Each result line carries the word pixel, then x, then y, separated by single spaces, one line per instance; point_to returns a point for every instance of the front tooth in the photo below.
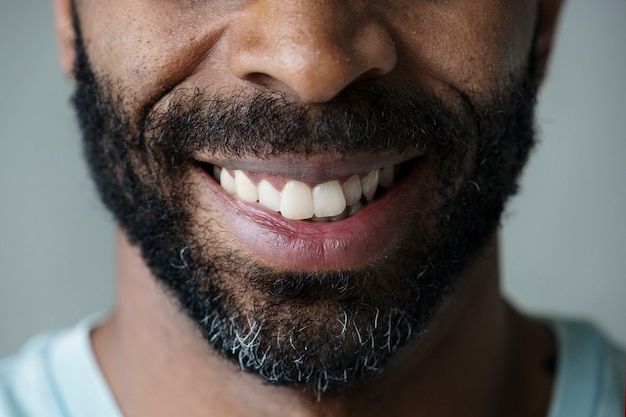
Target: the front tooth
pixel 352 190
pixel 328 199
pixel 369 184
pixel 296 201
pixel 246 190
pixel 386 176
pixel 269 197
pixel 227 182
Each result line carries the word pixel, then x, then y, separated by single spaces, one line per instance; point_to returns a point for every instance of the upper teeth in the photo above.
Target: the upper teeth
pixel 332 200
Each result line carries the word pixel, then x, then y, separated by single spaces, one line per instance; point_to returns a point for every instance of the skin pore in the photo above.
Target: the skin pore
pixel 476 349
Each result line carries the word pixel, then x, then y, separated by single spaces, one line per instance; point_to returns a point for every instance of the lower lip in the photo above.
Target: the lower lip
pixel 306 246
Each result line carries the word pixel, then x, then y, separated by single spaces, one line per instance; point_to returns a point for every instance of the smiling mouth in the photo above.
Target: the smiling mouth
pixel 328 201
pixel 318 214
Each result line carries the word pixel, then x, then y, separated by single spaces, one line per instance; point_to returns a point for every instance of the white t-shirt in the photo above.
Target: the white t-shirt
pixel 56 375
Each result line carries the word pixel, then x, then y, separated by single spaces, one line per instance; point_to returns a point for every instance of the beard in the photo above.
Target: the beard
pixel 321 330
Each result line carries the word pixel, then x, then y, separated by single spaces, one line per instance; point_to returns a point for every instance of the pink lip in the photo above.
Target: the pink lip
pixel 309 246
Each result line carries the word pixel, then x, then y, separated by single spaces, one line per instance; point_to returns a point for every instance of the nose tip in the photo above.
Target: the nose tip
pixel 312 53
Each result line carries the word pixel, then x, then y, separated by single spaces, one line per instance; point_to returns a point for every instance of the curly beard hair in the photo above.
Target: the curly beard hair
pixel 318 331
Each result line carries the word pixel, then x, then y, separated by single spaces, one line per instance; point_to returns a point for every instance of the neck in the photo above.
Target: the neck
pixel 157 363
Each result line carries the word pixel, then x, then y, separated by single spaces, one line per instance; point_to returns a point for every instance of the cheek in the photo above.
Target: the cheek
pixel 473 46
pixel 146 48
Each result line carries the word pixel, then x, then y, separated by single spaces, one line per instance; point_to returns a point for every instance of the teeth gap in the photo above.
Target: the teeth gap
pixel 380 191
pixel 398 171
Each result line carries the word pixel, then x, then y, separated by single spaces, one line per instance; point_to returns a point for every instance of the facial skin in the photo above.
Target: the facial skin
pixel 316 328
pixel 315 91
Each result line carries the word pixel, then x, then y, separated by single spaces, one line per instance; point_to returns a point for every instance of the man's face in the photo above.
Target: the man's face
pixel 421 109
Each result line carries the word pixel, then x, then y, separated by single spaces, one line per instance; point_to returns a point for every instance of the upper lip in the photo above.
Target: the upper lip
pixel 313 168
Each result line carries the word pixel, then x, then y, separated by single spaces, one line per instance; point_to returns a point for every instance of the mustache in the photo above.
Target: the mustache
pixel 263 124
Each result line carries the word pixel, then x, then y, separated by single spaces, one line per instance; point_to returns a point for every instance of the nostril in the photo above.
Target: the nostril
pixel 308 51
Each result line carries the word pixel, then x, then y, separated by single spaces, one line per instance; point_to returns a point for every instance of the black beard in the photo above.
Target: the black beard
pixel 322 331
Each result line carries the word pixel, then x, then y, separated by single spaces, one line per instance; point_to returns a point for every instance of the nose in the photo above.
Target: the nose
pixel 311 49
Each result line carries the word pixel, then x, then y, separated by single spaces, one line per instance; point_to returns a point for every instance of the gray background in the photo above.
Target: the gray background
pixel 564 237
